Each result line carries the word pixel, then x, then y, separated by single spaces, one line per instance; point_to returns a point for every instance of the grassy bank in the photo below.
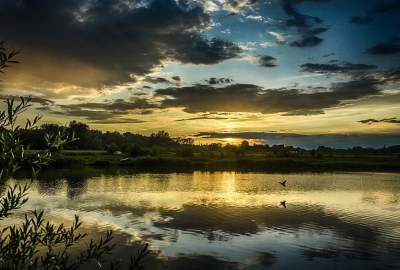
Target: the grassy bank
pixel 232 162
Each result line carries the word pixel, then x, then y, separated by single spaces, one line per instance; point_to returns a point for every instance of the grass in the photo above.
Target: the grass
pixel 224 161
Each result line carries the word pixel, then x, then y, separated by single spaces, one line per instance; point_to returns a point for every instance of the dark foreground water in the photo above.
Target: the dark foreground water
pixel 231 220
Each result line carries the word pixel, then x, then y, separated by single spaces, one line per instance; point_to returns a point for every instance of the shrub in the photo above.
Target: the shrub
pixel 19 245
pixel 185 152
pixel 112 148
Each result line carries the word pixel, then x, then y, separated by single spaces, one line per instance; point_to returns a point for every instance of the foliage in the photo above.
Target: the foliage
pixel 35 244
pixel 185 152
pixel 20 246
pixel 5 58
pixel 112 148
pixel 160 138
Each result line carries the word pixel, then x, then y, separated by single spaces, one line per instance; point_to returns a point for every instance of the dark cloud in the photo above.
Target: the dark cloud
pixel 104 42
pixel 370 121
pixel 157 80
pixel 112 121
pixel 391 7
pixel 176 78
pixel 361 20
pixel 308 141
pixel 212 116
pixel 391 76
pixel 213 81
pixel 392 120
pixel 266 61
pixel 392 46
pixel 355 89
pixel 304 112
pixel 198 50
pixel 329 54
pixel 255 99
pixel 115 111
pixel 346 68
pixel 298 2
pixel 205 118
pixel 307 42
pixel 306 25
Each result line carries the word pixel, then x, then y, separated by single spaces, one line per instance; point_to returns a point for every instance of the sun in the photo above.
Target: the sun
pixel 231 140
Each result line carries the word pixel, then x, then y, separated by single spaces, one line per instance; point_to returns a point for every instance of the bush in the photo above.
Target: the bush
pixel 185 152
pixel 19 245
pixel 112 148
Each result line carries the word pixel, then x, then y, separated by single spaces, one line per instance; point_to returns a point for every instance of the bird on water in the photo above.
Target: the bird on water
pixel 283 183
pixel 283 203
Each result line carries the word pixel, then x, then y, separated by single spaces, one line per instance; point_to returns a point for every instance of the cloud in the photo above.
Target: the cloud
pixel 34 100
pixel 268 44
pixel 307 42
pixel 237 6
pixel 392 46
pixel 370 121
pixel 255 99
pixel 198 50
pixel 345 68
pixel 209 116
pixel 158 80
pixel 213 81
pixel 115 111
pixel 255 18
pixel 222 95
pixel 306 25
pixel 298 2
pixel 93 44
pixel 361 20
pixel 391 7
pixel 266 61
pixel 280 36
pixel 311 141
pixel 176 78
pixel 391 76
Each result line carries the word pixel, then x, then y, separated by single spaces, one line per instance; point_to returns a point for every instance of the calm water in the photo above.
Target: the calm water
pixel 232 220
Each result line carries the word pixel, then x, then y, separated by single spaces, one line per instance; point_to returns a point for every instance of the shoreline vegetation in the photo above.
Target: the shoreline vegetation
pixel 220 161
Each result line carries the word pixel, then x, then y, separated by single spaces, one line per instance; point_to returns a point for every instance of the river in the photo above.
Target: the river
pixel 231 220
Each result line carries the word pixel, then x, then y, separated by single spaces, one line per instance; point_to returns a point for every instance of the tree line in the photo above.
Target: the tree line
pixel 139 145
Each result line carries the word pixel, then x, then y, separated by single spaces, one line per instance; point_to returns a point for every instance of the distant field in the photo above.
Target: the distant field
pixel 223 161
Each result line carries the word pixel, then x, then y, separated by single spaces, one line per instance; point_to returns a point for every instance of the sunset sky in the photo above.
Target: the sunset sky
pixel 295 72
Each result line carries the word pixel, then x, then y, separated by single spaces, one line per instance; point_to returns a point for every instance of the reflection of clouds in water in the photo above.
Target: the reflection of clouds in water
pixel 231 216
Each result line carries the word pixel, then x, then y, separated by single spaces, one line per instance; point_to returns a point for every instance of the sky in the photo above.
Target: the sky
pixel 294 72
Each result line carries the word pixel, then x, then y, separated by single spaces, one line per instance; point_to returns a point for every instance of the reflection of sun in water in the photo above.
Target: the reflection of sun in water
pixel 228 183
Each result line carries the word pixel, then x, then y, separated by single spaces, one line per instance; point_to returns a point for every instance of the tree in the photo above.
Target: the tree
pixel 244 144
pixel 19 245
pixel 81 131
pixel 161 138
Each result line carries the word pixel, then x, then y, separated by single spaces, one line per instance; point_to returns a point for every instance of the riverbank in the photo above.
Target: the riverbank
pixel 257 161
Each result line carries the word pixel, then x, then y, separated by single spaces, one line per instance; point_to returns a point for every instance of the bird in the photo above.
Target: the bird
pixel 283 203
pixel 283 183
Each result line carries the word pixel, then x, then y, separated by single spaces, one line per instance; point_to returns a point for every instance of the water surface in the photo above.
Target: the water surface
pixel 233 220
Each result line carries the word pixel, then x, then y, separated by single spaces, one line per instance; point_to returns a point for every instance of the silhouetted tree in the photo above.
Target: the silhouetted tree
pixel 161 138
